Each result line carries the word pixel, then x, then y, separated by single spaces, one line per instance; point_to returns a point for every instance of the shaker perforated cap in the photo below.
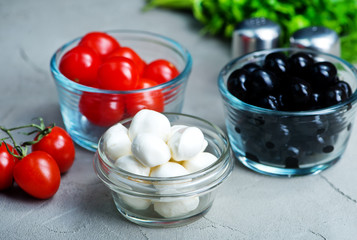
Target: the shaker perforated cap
pixel 317 38
pixel 255 34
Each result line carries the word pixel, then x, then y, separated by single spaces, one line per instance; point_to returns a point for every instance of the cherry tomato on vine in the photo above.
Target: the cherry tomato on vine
pixel 118 73
pixel 102 43
pixel 58 143
pixel 80 64
pixel 7 163
pixel 38 175
pixel 150 99
pixel 131 54
pixel 160 71
pixel 102 109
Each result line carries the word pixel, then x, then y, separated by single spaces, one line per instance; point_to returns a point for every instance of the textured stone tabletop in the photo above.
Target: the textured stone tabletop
pixel 248 205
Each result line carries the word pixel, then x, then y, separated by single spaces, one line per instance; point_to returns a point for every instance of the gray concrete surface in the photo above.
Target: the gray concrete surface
pixel 248 206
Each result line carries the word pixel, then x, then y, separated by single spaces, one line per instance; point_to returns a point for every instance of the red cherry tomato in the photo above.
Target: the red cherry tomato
pixel 58 143
pixel 7 163
pixel 160 71
pixel 102 109
pixel 118 73
pixel 80 64
pixel 151 99
pixel 102 43
pixel 38 175
pixel 131 54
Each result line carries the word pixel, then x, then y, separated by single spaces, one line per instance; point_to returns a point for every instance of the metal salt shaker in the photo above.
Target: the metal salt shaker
pixel 317 38
pixel 255 34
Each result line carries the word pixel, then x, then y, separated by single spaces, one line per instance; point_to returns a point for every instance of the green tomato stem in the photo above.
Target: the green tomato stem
pixel 40 129
pixel 22 151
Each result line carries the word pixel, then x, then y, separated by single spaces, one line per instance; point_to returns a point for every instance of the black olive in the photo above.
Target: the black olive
pixel 250 67
pixel 316 100
pixel 269 102
pixel 300 63
pixel 323 75
pixel 334 95
pixel 300 93
pixel 285 103
pixel 261 82
pixel 345 87
pixel 236 83
pixel 277 63
pixel 328 149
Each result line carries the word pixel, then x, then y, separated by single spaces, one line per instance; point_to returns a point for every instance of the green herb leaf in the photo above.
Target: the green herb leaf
pixel 219 17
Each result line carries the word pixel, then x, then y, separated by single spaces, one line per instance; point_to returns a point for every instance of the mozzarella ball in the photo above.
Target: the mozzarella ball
pixel 150 150
pixel 176 208
pixel 200 161
pixel 169 169
pixel 116 141
pixel 132 165
pixel 136 203
pixel 176 128
pixel 149 121
pixel 186 143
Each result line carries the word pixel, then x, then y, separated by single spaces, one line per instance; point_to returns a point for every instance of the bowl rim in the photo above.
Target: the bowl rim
pixel 225 156
pixel 237 103
pixel 180 49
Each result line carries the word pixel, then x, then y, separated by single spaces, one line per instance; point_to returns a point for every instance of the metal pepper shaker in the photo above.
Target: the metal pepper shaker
pixel 255 34
pixel 317 38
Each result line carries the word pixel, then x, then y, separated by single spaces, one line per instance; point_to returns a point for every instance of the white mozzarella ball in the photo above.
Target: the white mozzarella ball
pixel 136 203
pixel 169 169
pixel 186 143
pixel 149 121
pixel 116 141
pixel 200 161
pixel 150 150
pixel 176 128
pixel 176 208
pixel 132 165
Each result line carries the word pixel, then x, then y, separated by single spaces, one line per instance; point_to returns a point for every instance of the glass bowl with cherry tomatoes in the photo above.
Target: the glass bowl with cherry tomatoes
pixel 104 77
pixel 288 111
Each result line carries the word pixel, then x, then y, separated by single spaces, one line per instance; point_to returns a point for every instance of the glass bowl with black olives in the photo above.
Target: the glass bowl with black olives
pixel 288 111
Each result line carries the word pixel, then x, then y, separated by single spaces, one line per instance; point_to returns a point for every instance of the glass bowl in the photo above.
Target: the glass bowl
pixel 136 197
pixel 87 112
pixel 287 143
